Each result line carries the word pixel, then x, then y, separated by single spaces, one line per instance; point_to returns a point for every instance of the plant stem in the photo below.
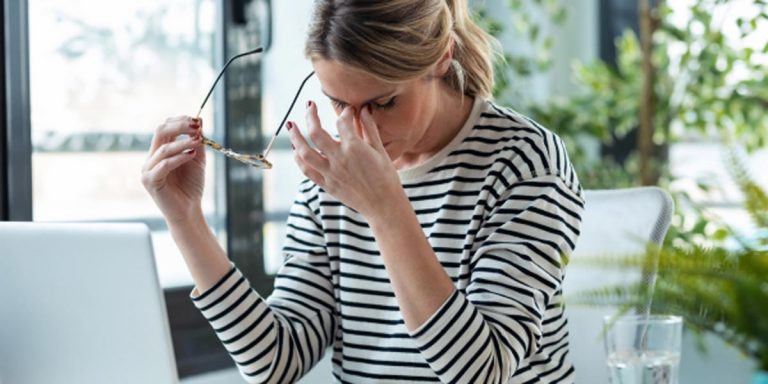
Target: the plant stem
pixel 648 25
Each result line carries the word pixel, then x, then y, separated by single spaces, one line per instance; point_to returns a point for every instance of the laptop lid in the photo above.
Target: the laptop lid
pixel 81 303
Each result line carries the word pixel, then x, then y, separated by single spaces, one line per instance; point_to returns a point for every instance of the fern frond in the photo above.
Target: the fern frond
pixel 755 198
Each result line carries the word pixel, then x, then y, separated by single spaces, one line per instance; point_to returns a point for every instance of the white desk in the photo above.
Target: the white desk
pixel 723 365
pixel 321 374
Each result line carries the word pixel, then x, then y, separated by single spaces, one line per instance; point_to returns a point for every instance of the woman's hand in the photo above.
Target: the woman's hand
pixel 174 171
pixel 356 170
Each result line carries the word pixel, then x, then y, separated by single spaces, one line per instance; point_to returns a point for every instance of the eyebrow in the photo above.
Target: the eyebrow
pixel 391 93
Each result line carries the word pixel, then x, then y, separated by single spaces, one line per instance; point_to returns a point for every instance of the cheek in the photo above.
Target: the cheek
pixel 399 126
pixel 393 124
pixel 406 121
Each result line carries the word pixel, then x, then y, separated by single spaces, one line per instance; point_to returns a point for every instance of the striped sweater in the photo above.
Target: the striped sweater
pixel 501 207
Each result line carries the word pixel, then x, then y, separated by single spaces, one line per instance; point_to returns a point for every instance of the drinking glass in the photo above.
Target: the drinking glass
pixel 643 349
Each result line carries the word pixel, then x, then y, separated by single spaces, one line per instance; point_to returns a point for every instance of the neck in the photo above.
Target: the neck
pixel 451 110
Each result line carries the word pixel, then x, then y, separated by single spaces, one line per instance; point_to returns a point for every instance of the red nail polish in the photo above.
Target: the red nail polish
pixel 309 103
pixel 289 125
pixel 293 147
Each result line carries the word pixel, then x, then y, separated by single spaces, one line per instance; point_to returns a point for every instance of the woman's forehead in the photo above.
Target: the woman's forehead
pixel 350 85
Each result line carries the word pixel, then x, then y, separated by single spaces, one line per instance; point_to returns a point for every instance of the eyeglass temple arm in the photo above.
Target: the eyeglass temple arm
pixel 210 91
pixel 280 127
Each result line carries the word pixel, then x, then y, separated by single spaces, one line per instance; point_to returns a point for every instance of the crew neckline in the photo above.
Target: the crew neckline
pixel 426 166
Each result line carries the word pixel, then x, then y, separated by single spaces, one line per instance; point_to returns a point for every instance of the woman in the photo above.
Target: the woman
pixel 428 241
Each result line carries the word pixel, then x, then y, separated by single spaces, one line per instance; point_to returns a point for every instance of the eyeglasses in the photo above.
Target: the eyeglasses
pixel 258 161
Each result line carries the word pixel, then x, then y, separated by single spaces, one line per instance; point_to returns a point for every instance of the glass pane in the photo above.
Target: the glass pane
pixel 274 233
pixel 284 68
pixel 103 75
pixel 281 183
pixel 704 163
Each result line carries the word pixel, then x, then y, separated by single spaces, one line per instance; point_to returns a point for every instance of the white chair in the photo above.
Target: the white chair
pixel 615 223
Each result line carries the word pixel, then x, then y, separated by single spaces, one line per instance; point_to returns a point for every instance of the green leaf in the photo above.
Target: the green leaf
pixel 721 234
pixel 533 32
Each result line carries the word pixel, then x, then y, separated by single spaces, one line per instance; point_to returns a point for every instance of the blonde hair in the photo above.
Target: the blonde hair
pixel 397 40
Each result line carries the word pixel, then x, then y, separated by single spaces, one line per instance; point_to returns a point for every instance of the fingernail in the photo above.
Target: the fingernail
pixel 190 151
pixel 293 147
pixel 309 103
pixel 289 125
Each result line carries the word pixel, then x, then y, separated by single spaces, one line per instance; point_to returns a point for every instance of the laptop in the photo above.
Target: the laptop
pixel 81 303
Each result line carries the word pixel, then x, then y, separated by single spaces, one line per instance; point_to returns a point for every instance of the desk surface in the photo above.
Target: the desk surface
pixel 722 365
pixel 321 374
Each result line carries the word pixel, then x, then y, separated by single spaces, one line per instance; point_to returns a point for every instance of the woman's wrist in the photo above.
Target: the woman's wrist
pixel 193 220
pixel 390 211
pixel 205 258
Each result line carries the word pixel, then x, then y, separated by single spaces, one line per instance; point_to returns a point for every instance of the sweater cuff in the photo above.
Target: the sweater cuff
pixel 432 325
pixel 221 293
pixel 453 338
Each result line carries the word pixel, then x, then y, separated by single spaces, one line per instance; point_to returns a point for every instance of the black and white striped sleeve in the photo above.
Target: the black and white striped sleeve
pixel 278 339
pixel 484 334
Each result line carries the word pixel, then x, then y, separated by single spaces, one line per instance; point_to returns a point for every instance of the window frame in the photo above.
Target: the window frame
pixel 3 137
pixel 17 146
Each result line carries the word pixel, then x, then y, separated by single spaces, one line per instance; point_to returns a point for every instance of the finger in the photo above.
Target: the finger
pixel 303 150
pixel 317 134
pixel 200 151
pixel 370 129
pixel 173 127
pixel 346 125
pixel 154 175
pixel 171 149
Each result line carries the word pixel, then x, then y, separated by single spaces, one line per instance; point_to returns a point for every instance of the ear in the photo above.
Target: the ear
pixel 444 64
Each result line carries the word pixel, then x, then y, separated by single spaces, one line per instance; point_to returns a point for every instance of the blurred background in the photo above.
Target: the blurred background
pixel 667 93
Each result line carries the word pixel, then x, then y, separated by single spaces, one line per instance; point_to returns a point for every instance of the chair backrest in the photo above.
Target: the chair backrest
pixel 615 223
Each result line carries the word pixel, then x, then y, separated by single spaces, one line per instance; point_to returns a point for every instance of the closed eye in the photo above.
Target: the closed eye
pixel 338 104
pixel 388 105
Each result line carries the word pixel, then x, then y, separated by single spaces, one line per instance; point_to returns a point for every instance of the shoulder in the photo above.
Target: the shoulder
pixel 525 149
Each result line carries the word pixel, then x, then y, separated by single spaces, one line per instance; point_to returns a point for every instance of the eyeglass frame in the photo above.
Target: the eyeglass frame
pixel 257 161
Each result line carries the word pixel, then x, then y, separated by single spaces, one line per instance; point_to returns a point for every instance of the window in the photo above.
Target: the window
pixel 695 159
pixel 89 82
pixel 283 70
pixel 102 77
pixel 699 160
